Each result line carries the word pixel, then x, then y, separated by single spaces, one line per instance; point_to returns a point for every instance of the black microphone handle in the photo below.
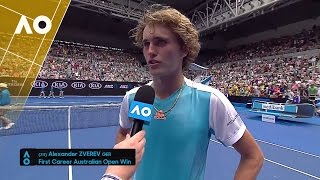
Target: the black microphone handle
pixel 137 126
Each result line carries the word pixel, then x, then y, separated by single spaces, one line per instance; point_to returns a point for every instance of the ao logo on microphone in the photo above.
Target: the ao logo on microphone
pixel 140 110
pixel 39 84
pixel 59 84
pixel 95 85
pixel 78 85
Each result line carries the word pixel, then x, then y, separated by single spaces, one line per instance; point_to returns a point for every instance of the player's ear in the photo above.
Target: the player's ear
pixel 184 51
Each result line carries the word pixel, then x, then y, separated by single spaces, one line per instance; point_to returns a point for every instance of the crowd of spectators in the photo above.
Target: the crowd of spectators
pixel 74 62
pixel 246 70
pixel 306 40
pixel 278 77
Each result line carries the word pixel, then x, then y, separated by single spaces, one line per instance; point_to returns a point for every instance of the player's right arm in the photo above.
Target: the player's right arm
pixel 125 124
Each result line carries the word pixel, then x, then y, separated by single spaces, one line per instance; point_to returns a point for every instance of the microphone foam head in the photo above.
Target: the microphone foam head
pixel 145 94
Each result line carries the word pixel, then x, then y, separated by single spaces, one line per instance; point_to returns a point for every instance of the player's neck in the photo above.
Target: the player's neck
pixel 165 86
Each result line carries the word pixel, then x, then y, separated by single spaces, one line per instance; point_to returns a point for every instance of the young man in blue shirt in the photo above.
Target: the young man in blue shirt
pixel 5 100
pixel 187 113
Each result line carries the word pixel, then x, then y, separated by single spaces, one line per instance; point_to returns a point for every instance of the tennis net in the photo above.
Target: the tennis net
pixel 35 119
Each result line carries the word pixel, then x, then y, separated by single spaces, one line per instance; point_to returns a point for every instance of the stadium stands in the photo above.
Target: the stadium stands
pixel 272 68
pixel 67 61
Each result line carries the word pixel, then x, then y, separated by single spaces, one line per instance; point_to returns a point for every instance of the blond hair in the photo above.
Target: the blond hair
pixel 185 31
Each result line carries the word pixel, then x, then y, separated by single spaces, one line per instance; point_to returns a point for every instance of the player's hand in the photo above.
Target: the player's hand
pixel 136 142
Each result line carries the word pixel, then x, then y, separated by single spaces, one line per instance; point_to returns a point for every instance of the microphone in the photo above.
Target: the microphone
pixel 141 108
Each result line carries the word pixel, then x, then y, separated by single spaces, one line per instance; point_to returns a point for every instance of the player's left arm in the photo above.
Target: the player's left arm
pixel 251 157
pixel 229 129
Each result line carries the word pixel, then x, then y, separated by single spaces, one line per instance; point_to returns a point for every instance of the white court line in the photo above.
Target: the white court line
pixel 6 50
pixel 69 141
pixel 293 169
pixel 70 174
pixel 15 12
pixel 305 153
pixel 279 164
pixel 17 56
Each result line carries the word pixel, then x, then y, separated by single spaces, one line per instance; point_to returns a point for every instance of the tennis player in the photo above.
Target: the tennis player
pixel 5 100
pixel 186 113
pixel 43 91
pixel 51 94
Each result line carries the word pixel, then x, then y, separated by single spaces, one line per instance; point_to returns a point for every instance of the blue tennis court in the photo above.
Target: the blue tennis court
pixel 291 149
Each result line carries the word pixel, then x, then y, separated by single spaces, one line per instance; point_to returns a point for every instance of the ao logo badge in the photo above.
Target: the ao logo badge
pixel 39 84
pixel 78 85
pixel 140 110
pixel 26 159
pixel 23 23
pixel 95 85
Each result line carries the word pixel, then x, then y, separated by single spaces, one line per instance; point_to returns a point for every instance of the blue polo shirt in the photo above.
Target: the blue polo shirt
pixel 5 98
pixel 176 148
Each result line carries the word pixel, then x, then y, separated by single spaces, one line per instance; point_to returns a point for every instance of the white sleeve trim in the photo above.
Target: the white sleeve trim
pixel 225 121
pixel 123 115
pixel 236 137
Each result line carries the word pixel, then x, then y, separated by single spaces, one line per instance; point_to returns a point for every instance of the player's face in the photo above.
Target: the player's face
pixel 162 51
